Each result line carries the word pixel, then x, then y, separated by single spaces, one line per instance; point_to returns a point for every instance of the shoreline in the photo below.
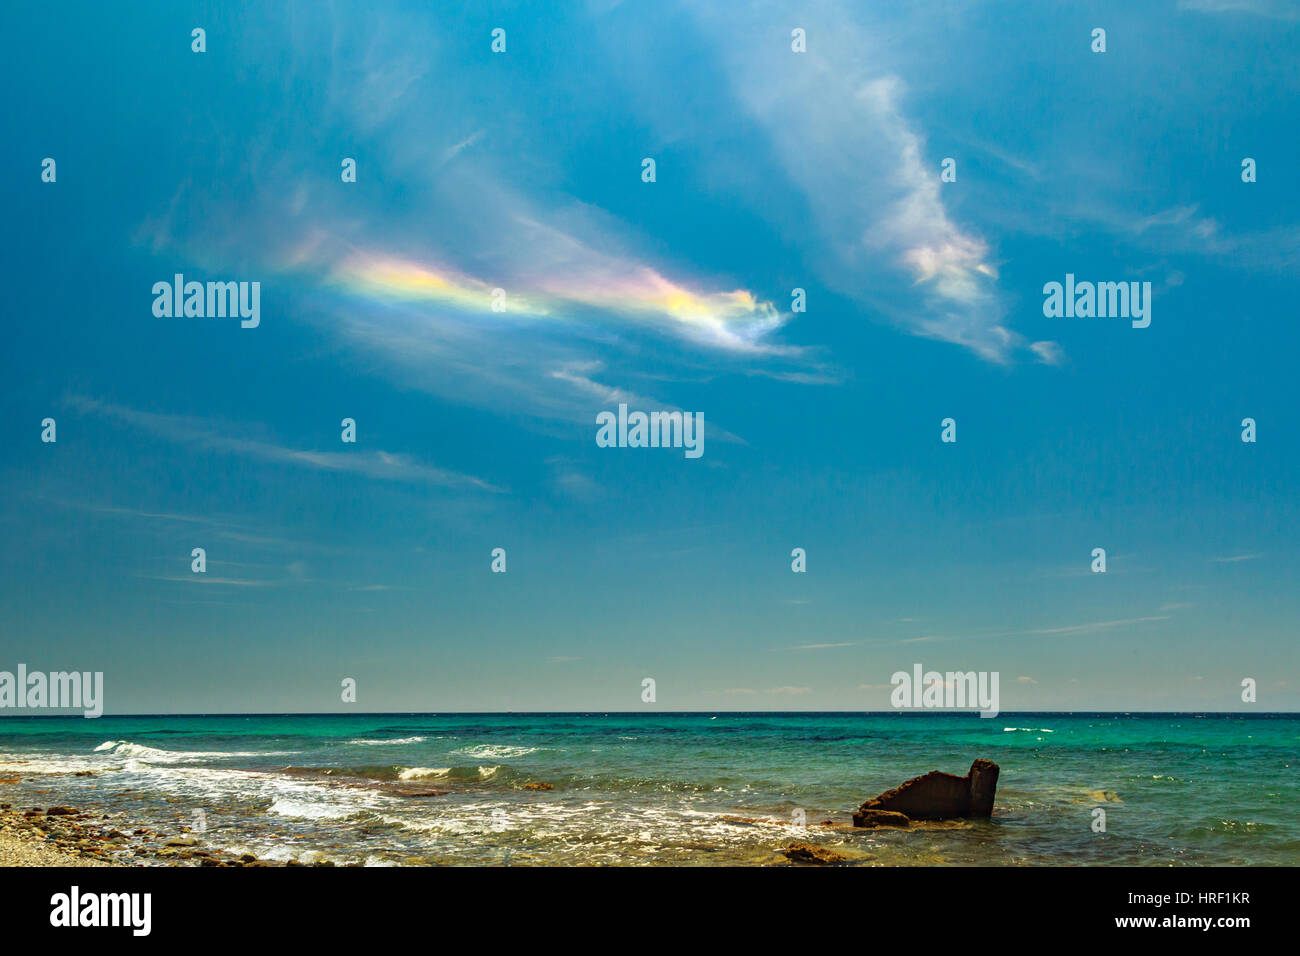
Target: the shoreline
pixel 61 836
pixel 64 836
pixel 22 844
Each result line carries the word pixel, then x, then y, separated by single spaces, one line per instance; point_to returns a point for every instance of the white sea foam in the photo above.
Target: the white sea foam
pixel 495 751
pixel 423 773
pixel 309 810
pixel 384 743
pixel 140 752
pixel 40 763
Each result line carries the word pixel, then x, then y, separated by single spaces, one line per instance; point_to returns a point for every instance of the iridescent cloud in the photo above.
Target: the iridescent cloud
pixel 732 320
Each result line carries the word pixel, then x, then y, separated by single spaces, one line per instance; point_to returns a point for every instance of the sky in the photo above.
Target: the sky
pixel 774 170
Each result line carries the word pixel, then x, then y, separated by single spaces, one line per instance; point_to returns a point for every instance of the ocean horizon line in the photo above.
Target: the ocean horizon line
pixel 910 713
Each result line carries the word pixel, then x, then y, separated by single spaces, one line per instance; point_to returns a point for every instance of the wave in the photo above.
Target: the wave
pixel 423 773
pixel 311 810
pixel 11 763
pixel 362 742
pixel 389 773
pixel 139 752
pixel 495 751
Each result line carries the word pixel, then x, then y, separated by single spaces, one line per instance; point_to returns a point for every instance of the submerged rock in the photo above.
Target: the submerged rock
pixel 811 853
pixel 934 796
pixel 880 818
pixel 539 786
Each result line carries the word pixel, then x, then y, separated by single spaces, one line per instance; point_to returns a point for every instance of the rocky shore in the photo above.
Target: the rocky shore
pixel 67 836
pixel 78 836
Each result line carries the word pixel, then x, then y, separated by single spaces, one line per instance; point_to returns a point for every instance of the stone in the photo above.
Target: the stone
pixel 810 853
pixel 881 818
pixel 936 796
pixel 983 787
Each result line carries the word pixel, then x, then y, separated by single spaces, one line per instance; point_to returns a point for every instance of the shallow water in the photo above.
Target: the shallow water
pixel 657 788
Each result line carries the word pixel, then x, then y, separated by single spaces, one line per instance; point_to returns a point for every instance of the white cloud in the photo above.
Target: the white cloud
pixel 881 231
pixel 1049 353
pixel 371 464
pixel 1098 625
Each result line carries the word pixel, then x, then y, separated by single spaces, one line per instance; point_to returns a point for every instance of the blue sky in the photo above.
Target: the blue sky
pixel 476 429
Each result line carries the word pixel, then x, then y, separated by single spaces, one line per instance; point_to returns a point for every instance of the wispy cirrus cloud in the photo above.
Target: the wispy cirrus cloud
pixel 1098 625
pixel 193 431
pixel 415 285
pixel 593 285
pixel 881 231
pixel 1272 9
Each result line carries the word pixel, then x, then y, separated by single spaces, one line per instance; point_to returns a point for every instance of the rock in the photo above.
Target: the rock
pixel 247 858
pixel 539 786
pixel 983 777
pixel 60 812
pixel 810 853
pixel 937 796
pixel 880 818
pixel 182 841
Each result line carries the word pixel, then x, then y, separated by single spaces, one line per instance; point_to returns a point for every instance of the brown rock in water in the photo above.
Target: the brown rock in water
pixel 937 796
pixel 60 812
pixel 983 787
pixel 809 853
pixel 538 786
pixel 880 818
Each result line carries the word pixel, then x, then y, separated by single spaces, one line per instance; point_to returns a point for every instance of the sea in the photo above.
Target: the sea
pixel 684 789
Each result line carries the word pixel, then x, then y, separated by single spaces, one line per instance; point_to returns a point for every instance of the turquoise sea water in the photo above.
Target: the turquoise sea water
pixel 696 788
